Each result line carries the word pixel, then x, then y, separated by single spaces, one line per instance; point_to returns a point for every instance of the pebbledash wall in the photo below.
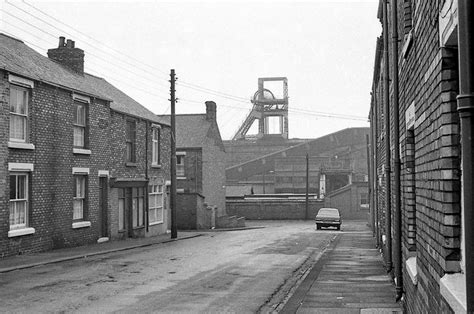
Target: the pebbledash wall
pixel 432 248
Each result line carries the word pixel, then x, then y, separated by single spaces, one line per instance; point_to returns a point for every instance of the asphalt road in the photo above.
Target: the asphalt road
pixel 235 271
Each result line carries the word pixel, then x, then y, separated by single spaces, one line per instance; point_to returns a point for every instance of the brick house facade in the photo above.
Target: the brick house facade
pixel 63 134
pixel 432 262
pixel 200 168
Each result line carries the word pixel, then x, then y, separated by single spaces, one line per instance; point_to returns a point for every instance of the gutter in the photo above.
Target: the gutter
pixel 388 195
pixel 466 114
pixel 396 158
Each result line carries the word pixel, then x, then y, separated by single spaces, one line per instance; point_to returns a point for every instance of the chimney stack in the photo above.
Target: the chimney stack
pixel 211 110
pixel 67 55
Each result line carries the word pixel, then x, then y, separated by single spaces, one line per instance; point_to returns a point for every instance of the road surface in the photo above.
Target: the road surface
pixel 235 271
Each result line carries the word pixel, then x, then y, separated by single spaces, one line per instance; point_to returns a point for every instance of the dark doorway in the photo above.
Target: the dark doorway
pixel 104 232
pixel 131 211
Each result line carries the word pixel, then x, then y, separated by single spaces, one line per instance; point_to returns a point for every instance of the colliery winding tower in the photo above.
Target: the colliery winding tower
pixel 269 110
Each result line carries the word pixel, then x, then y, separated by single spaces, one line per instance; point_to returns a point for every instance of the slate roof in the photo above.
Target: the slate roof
pixel 16 57
pixel 191 129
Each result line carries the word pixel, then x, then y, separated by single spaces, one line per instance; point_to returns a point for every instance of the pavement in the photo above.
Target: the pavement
pixel 17 262
pixel 348 278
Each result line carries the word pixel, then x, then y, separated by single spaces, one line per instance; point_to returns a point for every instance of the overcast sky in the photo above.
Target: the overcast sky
pixel 219 49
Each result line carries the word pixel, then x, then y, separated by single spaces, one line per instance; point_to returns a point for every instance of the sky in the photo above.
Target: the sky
pixel 219 49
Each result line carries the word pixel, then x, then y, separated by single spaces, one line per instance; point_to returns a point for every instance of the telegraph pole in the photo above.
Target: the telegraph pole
pixel 174 224
pixel 307 186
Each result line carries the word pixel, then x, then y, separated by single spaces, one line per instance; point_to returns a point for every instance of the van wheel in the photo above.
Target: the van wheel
pixel 318 227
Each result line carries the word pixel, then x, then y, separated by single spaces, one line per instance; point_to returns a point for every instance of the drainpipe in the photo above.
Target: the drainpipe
pixel 388 194
pixel 146 174
pixel 396 158
pixel 374 170
pixel 466 114
pixel 369 182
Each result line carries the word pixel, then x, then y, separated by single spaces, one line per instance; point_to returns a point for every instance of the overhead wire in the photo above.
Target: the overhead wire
pixel 192 86
pixel 138 75
pixel 95 73
pixel 184 83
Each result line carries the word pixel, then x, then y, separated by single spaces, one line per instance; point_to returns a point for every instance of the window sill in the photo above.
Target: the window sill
pixel 155 223
pixel 412 270
pixel 20 232
pixel 156 166
pixel 130 164
pixel 19 145
pixel 81 224
pixel 139 227
pixel 180 178
pixel 81 151
pixel 453 289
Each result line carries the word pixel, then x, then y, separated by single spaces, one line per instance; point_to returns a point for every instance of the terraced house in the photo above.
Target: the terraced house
pixel 421 173
pixel 80 161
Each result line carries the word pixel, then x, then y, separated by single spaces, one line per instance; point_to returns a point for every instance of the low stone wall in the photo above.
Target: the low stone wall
pixel 284 209
pixel 273 209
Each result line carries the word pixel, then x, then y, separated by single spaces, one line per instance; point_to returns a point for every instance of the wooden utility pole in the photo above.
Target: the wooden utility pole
pixel 307 186
pixel 174 223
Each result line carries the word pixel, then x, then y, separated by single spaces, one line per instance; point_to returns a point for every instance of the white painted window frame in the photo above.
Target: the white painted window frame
pixel 20 169
pixel 153 206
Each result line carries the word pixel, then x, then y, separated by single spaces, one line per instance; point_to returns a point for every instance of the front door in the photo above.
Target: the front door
pixel 103 206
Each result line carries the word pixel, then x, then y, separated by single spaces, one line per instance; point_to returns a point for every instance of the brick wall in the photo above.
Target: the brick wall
pixel 50 117
pixel 193 168
pixel 51 183
pixel 192 213
pixel 214 176
pixel 430 164
pixel 347 200
pixel 265 209
pixel 141 169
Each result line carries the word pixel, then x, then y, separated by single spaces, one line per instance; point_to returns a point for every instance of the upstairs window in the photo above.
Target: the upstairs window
pixel 80 124
pixel 180 165
pixel 19 100
pixel 18 201
pixel 156 145
pixel 130 140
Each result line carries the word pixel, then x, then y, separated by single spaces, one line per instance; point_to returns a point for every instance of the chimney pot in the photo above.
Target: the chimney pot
pixel 73 43
pixel 211 110
pixel 69 43
pixel 61 41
